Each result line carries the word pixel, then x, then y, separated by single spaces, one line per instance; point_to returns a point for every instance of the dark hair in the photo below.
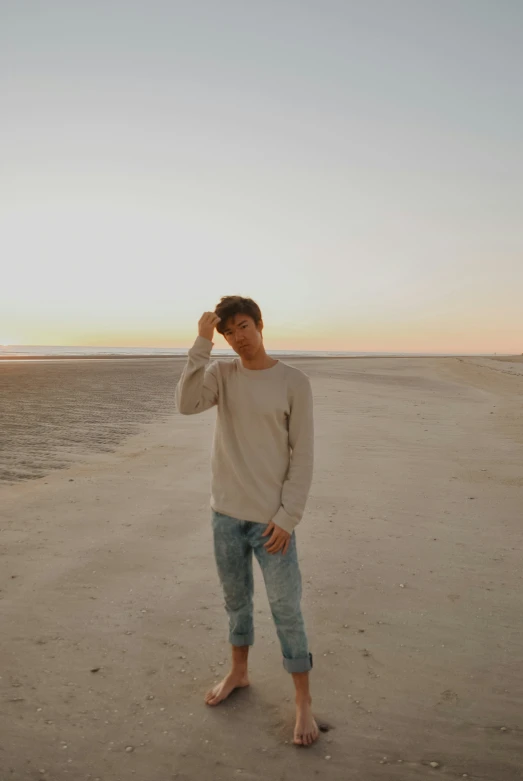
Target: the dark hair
pixel 230 306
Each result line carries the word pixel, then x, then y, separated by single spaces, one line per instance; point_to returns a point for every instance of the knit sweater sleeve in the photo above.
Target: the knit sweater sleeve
pixel 301 440
pixel 197 389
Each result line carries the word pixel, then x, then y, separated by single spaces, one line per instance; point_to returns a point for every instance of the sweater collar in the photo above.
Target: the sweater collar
pixel 257 372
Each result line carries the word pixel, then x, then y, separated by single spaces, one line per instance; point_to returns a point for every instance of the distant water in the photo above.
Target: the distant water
pixel 45 351
pixel 21 351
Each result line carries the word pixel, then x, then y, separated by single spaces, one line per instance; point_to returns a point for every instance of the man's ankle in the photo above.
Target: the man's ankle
pixel 303 699
pixel 239 670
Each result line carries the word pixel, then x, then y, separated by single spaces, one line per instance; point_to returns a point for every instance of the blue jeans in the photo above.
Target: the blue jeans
pixel 234 543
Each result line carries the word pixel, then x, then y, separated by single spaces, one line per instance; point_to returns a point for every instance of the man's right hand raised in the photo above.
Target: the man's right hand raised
pixel 206 325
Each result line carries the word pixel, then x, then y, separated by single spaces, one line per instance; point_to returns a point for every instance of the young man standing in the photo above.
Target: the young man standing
pixel 262 465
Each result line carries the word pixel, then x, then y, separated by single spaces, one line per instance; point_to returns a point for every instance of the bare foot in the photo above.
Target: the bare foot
pixel 224 688
pixel 306 730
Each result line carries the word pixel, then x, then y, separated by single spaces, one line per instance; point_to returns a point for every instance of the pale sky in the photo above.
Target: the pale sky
pixel 354 166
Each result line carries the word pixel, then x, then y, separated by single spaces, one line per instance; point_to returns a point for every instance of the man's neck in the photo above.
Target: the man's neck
pixel 260 361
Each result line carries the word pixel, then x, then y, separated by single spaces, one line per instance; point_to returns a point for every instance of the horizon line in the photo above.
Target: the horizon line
pixel 5 349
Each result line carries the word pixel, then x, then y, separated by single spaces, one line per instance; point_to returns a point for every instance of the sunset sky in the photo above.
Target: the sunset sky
pixel 355 166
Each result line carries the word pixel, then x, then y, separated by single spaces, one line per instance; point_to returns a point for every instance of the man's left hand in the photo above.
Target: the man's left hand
pixel 279 539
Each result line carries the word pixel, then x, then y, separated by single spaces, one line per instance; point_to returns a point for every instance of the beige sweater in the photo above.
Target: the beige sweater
pixel 262 457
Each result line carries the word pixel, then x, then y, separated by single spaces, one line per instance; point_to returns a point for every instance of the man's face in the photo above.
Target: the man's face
pixel 242 335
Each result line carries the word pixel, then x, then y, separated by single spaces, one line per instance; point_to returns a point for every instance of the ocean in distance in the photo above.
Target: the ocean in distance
pixel 49 351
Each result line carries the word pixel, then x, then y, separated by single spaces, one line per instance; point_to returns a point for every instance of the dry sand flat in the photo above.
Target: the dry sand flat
pixel 411 557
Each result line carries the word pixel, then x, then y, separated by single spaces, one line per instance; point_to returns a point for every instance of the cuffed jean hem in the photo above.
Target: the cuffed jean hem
pixel 242 639
pixel 298 665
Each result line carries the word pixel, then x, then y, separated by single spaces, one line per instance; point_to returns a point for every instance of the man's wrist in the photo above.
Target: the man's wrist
pixel 284 520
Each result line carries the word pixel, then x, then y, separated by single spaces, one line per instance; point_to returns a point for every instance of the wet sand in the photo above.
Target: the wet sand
pixel 112 624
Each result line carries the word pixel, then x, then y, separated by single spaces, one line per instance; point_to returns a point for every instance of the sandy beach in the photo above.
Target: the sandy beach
pixel 112 622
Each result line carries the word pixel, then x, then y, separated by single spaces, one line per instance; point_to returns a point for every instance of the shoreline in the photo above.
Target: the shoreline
pixel 293 356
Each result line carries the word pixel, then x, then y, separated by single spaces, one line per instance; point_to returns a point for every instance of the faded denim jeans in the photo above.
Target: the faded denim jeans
pixel 235 542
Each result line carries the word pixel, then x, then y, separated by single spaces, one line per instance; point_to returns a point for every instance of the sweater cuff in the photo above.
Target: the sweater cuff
pixel 284 520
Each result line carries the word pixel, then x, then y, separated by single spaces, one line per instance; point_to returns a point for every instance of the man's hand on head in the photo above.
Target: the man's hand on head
pixel 206 325
pixel 279 539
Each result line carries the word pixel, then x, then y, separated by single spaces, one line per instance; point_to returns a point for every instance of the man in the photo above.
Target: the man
pixel 262 465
